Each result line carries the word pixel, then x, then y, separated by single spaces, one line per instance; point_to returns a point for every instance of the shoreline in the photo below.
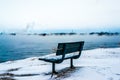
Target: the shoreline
pixel 52 53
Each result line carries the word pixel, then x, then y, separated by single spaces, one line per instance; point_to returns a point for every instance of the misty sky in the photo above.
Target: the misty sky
pixel 59 14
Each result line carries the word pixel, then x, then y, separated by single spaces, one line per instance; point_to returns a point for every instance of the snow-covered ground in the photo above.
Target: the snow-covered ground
pixel 96 64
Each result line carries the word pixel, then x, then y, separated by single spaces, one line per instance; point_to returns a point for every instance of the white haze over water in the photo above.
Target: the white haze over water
pixel 45 15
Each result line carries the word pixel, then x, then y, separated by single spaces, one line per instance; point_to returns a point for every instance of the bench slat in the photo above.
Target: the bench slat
pixel 65 48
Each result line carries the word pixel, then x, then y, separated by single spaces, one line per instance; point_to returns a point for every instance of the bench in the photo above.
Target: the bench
pixel 70 50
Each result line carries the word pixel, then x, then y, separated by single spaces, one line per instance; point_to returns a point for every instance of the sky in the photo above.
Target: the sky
pixel 48 15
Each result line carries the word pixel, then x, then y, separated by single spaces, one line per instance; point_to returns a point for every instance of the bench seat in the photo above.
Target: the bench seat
pixel 53 58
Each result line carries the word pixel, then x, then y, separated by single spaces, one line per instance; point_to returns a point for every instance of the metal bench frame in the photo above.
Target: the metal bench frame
pixel 63 49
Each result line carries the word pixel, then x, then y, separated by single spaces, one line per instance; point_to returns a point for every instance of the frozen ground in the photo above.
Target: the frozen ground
pixel 96 64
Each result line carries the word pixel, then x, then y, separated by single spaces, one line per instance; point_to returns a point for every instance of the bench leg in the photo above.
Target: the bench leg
pixel 53 69
pixel 71 63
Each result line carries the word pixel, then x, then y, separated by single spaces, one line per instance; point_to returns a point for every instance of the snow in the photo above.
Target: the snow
pixel 100 64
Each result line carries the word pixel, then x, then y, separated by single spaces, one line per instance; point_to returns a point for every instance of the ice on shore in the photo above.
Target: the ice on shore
pixel 96 64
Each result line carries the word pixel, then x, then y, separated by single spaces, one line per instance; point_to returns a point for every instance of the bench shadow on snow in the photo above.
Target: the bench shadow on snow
pixel 64 73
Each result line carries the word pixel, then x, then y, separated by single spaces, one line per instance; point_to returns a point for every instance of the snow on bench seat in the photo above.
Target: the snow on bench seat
pixel 53 57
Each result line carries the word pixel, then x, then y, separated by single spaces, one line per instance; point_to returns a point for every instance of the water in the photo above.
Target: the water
pixel 24 46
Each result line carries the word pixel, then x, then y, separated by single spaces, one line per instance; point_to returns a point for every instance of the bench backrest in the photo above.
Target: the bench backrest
pixel 65 48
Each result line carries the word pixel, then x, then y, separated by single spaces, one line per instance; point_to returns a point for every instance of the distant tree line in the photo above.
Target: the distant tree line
pixel 104 33
pixel 71 33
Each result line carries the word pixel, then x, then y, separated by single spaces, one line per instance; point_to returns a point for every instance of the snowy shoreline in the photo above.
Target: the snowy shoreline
pixel 100 64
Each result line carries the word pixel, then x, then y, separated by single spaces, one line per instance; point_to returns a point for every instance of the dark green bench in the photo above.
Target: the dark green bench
pixel 65 51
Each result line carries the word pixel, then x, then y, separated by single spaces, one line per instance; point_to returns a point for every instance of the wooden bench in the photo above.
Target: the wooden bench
pixel 71 50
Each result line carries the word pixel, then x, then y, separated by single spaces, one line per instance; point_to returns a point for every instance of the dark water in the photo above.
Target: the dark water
pixel 23 46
